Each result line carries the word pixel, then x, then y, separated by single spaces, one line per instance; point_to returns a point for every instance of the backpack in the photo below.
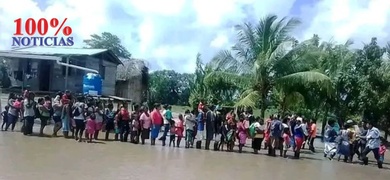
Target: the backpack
pixel 275 128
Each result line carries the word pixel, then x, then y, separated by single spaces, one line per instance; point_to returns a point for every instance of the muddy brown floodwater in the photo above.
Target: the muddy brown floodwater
pixel 40 158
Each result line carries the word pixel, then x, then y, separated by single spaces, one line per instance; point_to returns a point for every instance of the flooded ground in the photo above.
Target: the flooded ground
pixel 37 158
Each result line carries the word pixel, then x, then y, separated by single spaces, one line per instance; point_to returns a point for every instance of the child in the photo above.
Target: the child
pixel 91 127
pixel 179 129
pixel 135 126
pixel 286 141
pixel 382 150
pixel 172 132
pixel 4 114
pixel 99 117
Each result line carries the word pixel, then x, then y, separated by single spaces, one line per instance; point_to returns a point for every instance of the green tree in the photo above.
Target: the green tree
pixel 108 41
pixel 266 57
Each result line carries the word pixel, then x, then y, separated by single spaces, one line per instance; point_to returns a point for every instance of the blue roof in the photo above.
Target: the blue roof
pixel 65 51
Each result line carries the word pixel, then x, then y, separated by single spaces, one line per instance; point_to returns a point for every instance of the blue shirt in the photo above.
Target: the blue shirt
pixel 200 121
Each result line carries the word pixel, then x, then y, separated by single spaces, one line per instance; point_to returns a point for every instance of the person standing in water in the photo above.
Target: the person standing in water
pixel 66 116
pixel 29 114
pixel 123 121
pixel 157 121
pixel 45 109
pixel 312 134
pixel 276 132
pixel 110 119
pixel 200 129
pixel 299 137
pixel 146 123
pixel 13 113
pixel 99 118
pixel 189 124
pixel 179 129
pixel 57 109
pixel 258 136
pixel 242 130
pixel 210 118
pixel 373 144
pixel 79 118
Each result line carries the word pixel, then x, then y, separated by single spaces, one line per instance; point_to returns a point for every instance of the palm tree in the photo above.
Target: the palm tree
pixel 266 57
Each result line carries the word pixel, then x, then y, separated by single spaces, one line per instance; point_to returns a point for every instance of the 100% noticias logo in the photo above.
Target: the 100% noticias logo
pixel 33 28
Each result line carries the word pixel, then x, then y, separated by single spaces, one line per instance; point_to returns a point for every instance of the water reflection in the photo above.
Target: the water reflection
pixel 37 158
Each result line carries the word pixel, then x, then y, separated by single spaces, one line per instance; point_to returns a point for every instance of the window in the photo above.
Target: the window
pixel 102 71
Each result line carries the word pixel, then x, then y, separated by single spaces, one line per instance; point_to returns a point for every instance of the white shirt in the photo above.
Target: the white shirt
pixel 163 115
pixel 99 118
pixel 80 106
pixel 372 137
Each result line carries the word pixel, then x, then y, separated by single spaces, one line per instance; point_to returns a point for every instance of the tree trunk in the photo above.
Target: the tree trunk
pixel 324 122
pixel 263 108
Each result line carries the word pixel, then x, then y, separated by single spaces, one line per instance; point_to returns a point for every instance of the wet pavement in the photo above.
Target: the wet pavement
pixel 38 158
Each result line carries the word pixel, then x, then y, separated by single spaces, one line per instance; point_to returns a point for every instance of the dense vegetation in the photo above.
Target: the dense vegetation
pixel 268 68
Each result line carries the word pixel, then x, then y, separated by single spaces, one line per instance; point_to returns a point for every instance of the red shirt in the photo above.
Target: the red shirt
pixel 156 117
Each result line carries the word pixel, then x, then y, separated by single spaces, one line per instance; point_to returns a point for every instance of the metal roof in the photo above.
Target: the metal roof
pixel 65 51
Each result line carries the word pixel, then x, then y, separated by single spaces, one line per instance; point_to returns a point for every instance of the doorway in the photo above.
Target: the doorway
pixel 44 75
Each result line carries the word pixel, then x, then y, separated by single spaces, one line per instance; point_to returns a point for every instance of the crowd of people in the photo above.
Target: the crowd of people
pixel 83 118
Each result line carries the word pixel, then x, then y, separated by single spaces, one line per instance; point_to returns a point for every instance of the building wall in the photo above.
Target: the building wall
pixel 75 78
pixel 130 89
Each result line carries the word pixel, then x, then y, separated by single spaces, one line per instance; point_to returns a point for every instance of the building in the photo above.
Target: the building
pixel 132 80
pixel 55 68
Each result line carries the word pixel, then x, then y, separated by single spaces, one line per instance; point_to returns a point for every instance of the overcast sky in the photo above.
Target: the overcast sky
pixel 169 33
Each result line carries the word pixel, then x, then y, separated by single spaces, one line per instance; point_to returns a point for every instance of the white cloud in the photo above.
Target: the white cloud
pixel 220 41
pixel 342 20
pixel 170 33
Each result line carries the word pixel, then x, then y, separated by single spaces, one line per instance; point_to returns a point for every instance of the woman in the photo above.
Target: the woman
pixel 146 123
pixel 330 149
pixel 123 120
pixel 231 135
pixel 29 114
pixel 343 141
pixel 259 134
pixel 45 109
pixel 110 120
pixel 66 116
pixel 157 121
pixel 57 109
pixel 13 112
pixel 242 130
pixel 299 137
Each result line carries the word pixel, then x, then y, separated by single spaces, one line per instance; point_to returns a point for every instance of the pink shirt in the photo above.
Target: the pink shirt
pixel 146 121
pixel 286 139
pixel 382 150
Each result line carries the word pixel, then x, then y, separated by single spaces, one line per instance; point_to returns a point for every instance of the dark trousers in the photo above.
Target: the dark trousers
pixel 110 126
pixel 11 121
pixel 376 155
pixel 124 129
pixel 311 144
pixel 28 125
pixel 166 129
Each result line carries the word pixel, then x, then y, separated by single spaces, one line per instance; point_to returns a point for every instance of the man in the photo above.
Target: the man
pixel 276 132
pixel 200 128
pixel 312 134
pixel 166 123
pixel 373 144
pixel 210 118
